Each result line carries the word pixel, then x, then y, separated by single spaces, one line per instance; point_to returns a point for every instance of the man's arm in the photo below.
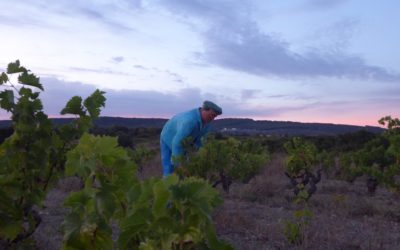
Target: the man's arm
pixel 198 141
pixel 183 131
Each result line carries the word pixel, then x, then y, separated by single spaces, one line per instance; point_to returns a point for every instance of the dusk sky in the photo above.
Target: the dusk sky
pixel 329 61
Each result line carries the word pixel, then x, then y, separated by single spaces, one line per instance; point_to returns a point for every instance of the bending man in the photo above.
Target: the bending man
pixel 193 123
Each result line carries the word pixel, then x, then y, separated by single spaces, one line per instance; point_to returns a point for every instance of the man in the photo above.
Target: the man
pixel 193 123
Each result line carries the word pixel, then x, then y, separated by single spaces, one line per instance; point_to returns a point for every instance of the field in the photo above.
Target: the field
pixel 253 215
pixel 260 214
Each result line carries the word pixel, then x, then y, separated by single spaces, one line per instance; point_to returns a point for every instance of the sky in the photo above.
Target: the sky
pixel 327 61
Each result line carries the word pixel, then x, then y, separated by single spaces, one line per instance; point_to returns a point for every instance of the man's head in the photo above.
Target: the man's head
pixel 209 111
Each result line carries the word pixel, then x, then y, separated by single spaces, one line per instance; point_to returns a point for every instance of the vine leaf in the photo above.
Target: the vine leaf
pixel 3 78
pixel 7 100
pixel 15 68
pixel 161 197
pixel 94 102
pixel 30 79
pixel 74 106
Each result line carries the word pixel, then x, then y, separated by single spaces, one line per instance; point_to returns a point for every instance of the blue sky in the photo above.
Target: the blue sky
pixel 331 61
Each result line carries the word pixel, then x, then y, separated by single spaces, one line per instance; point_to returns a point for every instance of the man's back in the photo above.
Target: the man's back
pixel 192 124
pixel 181 126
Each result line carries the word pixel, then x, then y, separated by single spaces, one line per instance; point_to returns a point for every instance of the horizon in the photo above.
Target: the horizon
pixel 220 118
pixel 309 61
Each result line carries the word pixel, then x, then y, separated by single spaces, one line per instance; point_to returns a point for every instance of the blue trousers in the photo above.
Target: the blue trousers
pixel 166 154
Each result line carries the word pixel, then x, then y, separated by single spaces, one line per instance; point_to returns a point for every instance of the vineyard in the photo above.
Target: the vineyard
pixel 75 187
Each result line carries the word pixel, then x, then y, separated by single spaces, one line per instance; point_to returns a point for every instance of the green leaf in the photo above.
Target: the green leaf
pixel 11 229
pixel 74 106
pixel 108 145
pixel 30 79
pixel 15 68
pixel 84 122
pixel 7 100
pixel 134 193
pixel 170 180
pixel 105 203
pixel 36 105
pixel 148 245
pixel 25 92
pixel 161 197
pixel 88 233
pixel 213 242
pixel 3 78
pixel 124 174
pixel 71 226
pixel 198 193
pixel 133 226
pixel 103 238
pixel 77 199
pixel 94 102
pixel 81 160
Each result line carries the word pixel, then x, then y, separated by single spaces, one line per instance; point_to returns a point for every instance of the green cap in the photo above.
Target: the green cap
pixel 213 106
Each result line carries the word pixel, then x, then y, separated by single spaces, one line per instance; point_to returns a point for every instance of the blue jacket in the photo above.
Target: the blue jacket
pixel 182 126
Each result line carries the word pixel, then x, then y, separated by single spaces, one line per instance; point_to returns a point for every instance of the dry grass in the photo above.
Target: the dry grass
pixel 151 168
pixel 253 214
pixel 345 216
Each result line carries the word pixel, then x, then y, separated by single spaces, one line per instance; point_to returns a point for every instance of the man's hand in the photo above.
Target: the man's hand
pixel 183 172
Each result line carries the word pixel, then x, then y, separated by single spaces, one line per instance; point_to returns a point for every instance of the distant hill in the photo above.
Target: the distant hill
pixel 110 121
pixel 233 126
pixel 287 128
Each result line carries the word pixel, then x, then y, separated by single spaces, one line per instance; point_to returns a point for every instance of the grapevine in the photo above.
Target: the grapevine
pixel 33 156
pixel 225 161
